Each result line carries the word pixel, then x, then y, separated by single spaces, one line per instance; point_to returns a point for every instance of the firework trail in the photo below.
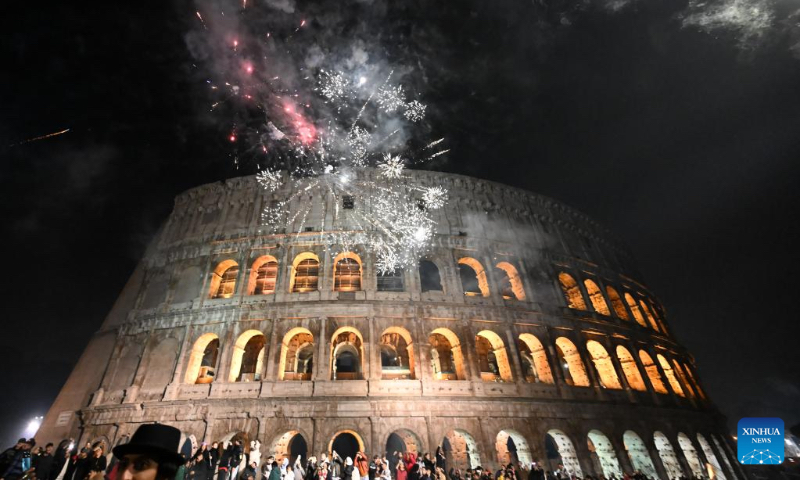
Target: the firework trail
pixel 41 137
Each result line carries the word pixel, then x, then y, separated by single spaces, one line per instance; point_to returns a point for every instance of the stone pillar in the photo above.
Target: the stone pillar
pixel 513 352
pixel 322 360
pixel 467 340
pixel 373 370
pixel 273 356
pixel 653 451
pixel 186 346
pixel 621 453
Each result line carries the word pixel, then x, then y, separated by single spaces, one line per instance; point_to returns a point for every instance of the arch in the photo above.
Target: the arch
pixel 673 381
pixel 512 448
pixel 447 359
pixel 667 454
pixel 716 467
pixel 304 276
pixel 630 369
pixel 429 278
pixel 346 435
pixel 263 275
pixel 652 372
pixel 534 359
pixel 658 317
pixel 570 360
pixel 289 445
pixel 162 360
pixel 603 365
pixel 247 359
pixel 492 357
pixel 572 292
pixel 637 315
pixel 473 277
pixel 202 364
pixel 565 453
pixel 603 453
pixel 347 272
pixel 461 449
pixel 347 354
pixel 223 280
pixel 400 363
pixel 297 355
pixel 690 454
pixel 616 303
pixel 596 296
pixel 637 452
pixel 510 282
pixel 700 391
pixel 649 315
pixel 406 438
pixel 683 378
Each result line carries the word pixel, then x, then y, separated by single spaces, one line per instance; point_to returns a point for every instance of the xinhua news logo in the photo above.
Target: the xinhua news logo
pixel 760 441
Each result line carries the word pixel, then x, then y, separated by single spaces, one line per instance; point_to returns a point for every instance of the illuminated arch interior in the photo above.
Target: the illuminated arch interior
pixel 447 360
pixel 572 291
pixel 492 357
pixel 617 304
pixel 510 282
pixel 263 275
pixel 630 369
pixel 601 446
pixel 673 381
pixel 596 296
pixel 603 365
pixel 223 280
pixel 571 363
pixel 637 315
pixel 534 359
pixel 347 272
pixel 652 372
pixel 566 452
pixel 397 354
pixel 473 277
pixel 297 355
pixel 248 357
pixel 347 354
pixel 304 276
pixel 202 363
pixel 668 457
pixel 639 455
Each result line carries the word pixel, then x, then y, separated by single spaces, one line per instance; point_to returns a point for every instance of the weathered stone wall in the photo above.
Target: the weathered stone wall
pixel 143 365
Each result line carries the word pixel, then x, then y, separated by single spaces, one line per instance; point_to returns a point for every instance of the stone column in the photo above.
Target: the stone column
pixel 322 360
pixel 511 348
pixel 272 359
pixel 467 340
pixel 373 370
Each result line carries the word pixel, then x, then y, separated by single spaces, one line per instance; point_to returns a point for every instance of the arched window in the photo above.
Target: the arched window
pixel 596 296
pixel 602 452
pixel 534 360
pixel 397 354
pixel 473 277
pixel 603 365
pixel 571 291
pixel 447 360
pixel 673 381
pixel 223 280
pixel 694 381
pixel 649 315
pixel 248 357
pixel 657 316
pixel 347 353
pixel 202 363
pixel 305 273
pixel 391 281
pixel 347 272
pixel 429 278
pixel 637 315
pixel 638 453
pixel 616 303
pixel 683 378
pixel 492 357
pixel 652 372
pixel 263 275
pixel 630 369
pixel 570 360
pixel 510 282
pixel 297 355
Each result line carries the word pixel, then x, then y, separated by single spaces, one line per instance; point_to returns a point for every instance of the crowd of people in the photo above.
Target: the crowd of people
pixel 152 455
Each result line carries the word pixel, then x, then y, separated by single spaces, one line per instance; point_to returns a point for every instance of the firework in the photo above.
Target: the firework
pixel 330 151
pixel 41 137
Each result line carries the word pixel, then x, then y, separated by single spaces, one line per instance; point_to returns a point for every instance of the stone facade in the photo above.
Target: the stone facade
pixel 536 341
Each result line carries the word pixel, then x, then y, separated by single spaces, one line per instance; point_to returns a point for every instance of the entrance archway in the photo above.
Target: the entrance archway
pixel 637 452
pixel 461 450
pixel 695 465
pixel 290 445
pixel 712 459
pixel 560 450
pixel 667 454
pixel 346 443
pixel 603 454
pixel 512 448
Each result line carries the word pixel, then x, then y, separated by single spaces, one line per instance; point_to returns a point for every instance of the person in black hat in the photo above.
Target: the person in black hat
pixel 152 454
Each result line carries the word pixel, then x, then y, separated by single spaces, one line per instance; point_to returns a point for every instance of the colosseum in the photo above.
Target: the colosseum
pixel 527 334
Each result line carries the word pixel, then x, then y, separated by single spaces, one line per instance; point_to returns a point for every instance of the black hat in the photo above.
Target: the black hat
pixel 161 441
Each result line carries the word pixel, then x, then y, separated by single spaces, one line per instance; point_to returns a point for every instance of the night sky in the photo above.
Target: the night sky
pixel 684 139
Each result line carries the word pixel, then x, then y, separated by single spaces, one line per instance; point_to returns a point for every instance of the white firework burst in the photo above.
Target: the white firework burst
pixel 358 141
pixel 391 98
pixel 415 111
pixel 434 197
pixel 270 180
pixel 333 86
pixel 392 166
